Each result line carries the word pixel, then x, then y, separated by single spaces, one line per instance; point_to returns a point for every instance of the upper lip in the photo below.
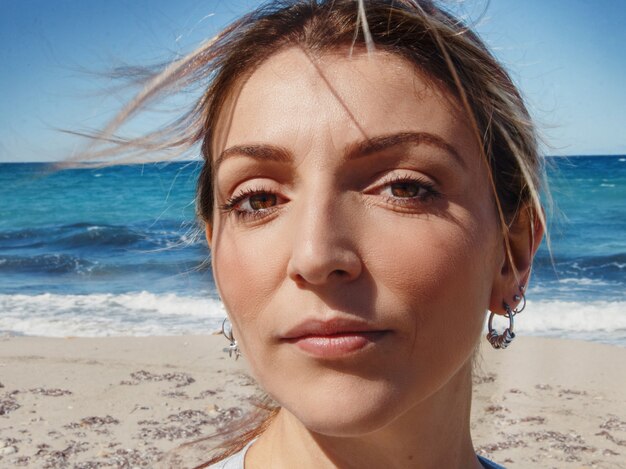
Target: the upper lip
pixel 316 327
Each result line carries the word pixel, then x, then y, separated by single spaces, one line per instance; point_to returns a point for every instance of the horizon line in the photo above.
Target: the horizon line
pixel 199 160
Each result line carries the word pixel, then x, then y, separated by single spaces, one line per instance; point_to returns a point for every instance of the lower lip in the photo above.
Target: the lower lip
pixel 336 345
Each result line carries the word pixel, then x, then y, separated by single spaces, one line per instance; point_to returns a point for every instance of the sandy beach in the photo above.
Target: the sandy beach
pixel 128 402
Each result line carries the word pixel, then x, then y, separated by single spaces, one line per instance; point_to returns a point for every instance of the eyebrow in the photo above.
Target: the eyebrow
pixel 383 142
pixel 354 151
pixel 256 151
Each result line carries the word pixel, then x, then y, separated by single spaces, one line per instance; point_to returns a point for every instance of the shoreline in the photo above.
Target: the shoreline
pixel 106 402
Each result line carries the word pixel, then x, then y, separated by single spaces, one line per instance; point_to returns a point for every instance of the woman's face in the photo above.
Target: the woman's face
pixel 355 242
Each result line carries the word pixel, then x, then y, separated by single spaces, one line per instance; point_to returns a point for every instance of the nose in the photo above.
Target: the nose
pixel 324 246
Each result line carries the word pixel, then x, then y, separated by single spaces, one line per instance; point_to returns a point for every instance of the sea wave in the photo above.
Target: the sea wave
pixel 101 315
pixel 98 236
pixel 616 261
pixel 92 236
pixel 573 316
pixel 84 269
pixel 602 321
pixel 605 272
pixel 46 263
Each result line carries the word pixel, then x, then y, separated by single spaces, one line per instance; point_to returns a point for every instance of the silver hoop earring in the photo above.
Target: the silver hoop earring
pixel 502 341
pixel 227 331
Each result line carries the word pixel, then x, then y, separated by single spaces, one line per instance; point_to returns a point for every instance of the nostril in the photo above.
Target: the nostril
pixel 339 273
pixel 299 280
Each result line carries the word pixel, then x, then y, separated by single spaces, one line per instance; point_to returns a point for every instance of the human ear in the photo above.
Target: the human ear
pixel 524 237
pixel 208 232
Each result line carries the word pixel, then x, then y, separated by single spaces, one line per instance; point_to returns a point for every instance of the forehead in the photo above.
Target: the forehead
pixel 296 98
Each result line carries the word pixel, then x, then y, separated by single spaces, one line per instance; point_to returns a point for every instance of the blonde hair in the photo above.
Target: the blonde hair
pixel 429 37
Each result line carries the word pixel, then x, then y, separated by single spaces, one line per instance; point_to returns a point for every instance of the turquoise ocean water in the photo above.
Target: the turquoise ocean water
pixel 116 251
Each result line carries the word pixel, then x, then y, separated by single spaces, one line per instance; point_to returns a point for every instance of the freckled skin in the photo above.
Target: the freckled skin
pixel 340 241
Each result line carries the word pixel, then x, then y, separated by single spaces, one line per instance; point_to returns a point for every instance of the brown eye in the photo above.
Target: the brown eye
pixel 405 189
pixel 262 201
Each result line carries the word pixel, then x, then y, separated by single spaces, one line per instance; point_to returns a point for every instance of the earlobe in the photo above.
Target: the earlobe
pixel 524 238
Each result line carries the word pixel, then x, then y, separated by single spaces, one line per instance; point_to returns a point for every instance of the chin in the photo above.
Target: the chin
pixel 357 411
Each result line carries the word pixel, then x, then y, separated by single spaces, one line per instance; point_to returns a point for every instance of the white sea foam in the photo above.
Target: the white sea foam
pixel 141 314
pixel 573 316
pixel 602 321
pixel 97 315
pixel 584 281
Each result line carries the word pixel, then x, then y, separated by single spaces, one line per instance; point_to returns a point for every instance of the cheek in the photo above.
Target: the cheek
pixel 436 259
pixel 439 274
pixel 247 270
pixel 441 271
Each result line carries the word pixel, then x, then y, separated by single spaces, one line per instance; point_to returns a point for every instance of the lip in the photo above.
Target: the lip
pixel 333 338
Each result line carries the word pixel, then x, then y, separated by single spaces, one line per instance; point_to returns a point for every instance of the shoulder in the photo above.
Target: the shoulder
pixel 488 464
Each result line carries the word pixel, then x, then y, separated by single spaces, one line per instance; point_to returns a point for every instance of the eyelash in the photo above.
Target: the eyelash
pixel 230 206
pixel 428 186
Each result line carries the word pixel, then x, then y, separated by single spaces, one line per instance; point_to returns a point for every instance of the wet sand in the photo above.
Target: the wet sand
pixel 128 402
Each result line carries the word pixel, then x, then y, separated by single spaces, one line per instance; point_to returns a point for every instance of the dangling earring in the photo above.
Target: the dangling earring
pixel 227 331
pixel 502 341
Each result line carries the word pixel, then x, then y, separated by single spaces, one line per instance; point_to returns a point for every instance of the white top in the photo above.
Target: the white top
pixel 236 461
pixel 233 462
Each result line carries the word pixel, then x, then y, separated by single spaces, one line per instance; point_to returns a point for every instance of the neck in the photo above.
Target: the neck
pixel 434 433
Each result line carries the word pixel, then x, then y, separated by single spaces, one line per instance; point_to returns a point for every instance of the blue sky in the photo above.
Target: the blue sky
pixel 567 56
